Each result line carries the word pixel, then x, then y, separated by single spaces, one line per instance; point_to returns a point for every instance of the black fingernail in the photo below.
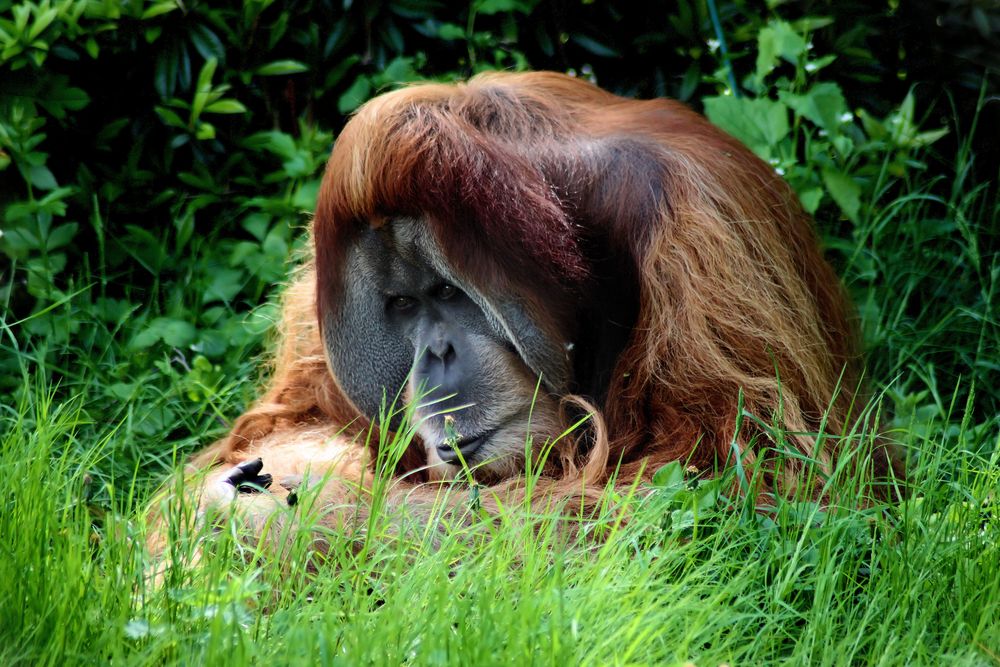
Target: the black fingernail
pixel 252 467
pixel 254 485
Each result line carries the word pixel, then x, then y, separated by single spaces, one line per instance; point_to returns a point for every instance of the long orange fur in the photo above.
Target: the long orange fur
pixel 734 294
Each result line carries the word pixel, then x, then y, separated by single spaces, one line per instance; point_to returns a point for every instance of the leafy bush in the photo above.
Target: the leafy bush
pixel 158 161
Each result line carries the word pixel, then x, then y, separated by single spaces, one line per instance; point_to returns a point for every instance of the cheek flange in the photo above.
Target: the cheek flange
pixel 370 360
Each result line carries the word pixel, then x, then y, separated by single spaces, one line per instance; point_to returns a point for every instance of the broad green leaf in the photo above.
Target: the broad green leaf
pixel 823 104
pixel 777 40
pixel 845 191
pixel 276 142
pixel 178 333
pixel 450 31
pixel 669 475
pixel 124 391
pixel 399 70
pixel 280 67
pixel 173 332
pixel 225 285
pixel 811 199
pixel 257 224
pixel 355 96
pixel 759 123
pixel 305 196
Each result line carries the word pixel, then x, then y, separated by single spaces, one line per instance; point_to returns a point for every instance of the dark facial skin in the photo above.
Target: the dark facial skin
pixel 413 326
pixel 451 342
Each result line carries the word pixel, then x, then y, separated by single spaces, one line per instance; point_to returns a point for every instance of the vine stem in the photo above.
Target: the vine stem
pixel 713 12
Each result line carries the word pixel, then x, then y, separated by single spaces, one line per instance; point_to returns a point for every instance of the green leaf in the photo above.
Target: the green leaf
pixel 43 21
pixel 450 31
pixel 257 224
pixel 811 199
pixel 400 70
pixel 61 235
pixel 173 332
pixel 41 177
pixel 777 39
pixel 205 131
pixel 225 285
pixel 207 43
pixel 169 117
pixel 594 47
pixel 814 66
pixel 336 73
pixel 274 141
pixel 823 104
pixel 304 198
pixel 498 6
pixel 929 137
pixel 206 74
pixel 178 333
pixel 874 127
pixel 281 67
pixel 124 391
pixel 158 9
pixel 759 123
pixel 203 88
pixel 669 475
pixel 225 106
pixel 355 96
pixel 810 24
pixel 21 15
pixel 845 191
pixel 59 96
pixel 157 419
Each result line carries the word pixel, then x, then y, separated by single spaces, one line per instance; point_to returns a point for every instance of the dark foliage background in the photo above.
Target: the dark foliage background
pixel 159 159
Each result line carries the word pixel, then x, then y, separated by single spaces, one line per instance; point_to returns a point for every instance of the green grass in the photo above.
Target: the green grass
pixel 916 583
pixel 90 427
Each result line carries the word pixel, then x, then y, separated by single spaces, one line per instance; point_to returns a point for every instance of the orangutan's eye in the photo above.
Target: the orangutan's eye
pixel 446 291
pixel 401 304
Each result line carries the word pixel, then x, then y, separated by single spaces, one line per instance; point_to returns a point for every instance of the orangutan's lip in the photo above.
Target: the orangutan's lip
pixel 455 453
